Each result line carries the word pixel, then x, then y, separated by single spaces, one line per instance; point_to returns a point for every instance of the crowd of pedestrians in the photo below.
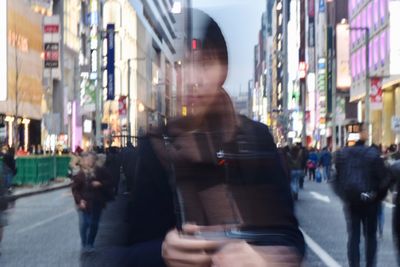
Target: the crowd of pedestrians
pixel 303 163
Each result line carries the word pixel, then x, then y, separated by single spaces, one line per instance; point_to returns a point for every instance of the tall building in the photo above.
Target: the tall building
pixel 381 18
pixel 21 94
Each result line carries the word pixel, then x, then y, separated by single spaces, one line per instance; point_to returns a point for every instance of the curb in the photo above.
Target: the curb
pixel 36 192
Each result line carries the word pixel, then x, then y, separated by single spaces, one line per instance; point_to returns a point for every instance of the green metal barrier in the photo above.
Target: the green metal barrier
pixel 40 169
pixel 19 179
pixel 62 165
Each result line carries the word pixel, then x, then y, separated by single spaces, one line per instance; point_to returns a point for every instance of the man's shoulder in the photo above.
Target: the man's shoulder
pixel 245 121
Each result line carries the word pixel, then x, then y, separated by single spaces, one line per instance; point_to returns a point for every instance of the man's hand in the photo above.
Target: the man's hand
pixel 82 204
pixel 96 184
pixel 241 254
pixel 181 251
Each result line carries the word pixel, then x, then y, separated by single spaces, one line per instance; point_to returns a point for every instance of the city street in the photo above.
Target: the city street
pixel 321 217
pixel 43 231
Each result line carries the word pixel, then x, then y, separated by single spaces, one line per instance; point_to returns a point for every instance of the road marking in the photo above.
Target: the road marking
pixel 320 197
pixel 389 205
pixel 38 224
pixel 320 252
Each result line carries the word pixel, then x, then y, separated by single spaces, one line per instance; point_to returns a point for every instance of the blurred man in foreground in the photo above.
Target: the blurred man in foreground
pixel 211 189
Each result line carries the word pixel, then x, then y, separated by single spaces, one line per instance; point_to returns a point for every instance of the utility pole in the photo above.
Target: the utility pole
pixel 99 89
pixel 367 87
pixel 129 99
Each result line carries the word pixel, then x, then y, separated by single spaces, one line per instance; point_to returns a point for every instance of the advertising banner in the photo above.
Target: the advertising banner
pixel 51 45
pixel 343 77
pixel 311 8
pixel 122 106
pixel 329 68
pixel 376 94
pixel 110 61
pixel 3 51
pixel 322 6
pixel 51 55
pixel 321 84
pixel 88 96
pixel 311 33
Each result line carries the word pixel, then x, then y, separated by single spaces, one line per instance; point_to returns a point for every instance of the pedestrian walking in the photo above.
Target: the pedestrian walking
pixel 129 160
pixel 394 171
pixel 325 162
pixel 8 166
pixel 113 165
pixel 381 219
pixel 91 188
pixel 3 202
pixel 295 159
pixel 361 183
pixel 312 164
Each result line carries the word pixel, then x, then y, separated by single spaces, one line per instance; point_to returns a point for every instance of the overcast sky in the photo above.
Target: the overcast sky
pixel 240 21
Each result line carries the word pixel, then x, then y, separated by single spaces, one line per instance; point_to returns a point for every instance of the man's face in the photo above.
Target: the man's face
pixel 88 161
pixel 206 75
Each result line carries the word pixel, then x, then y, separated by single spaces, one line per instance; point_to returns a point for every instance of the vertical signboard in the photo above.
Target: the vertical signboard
pixel 51 55
pixel 376 94
pixel 311 23
pixel 3 51
pixel 343 77
pixel 322 6
pixel 329 68
pixel 321 83
pixel 51 46
pixel 110 62
pixel 122 106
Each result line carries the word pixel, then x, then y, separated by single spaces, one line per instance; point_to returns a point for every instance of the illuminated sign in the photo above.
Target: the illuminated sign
pixel 3 51
pixel 51 55
pixel 194 44
pixel 87 126
pixel 394 39
pixel 302 70
pixel 51 46
pixel 110 61
pixel 343 77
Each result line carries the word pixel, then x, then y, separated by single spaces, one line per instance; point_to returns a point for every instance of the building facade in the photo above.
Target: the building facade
pixel 22 95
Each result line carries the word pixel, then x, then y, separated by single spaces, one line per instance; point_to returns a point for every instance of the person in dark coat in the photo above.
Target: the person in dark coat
pixel 9 166
pixel 3 203
pixel 129 161
pixel 113 165
pixel 394 171
pixel 326 162
pixel 91 188
pixel 189 168
pixel 361 182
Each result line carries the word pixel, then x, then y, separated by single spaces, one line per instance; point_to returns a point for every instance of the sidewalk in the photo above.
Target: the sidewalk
pixel 111 241
pixel 25 191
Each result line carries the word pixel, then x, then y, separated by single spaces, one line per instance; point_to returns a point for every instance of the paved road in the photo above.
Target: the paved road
pixel 43 231
pixel 321 217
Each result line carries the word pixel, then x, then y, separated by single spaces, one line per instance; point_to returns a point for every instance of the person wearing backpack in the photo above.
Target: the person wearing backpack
pixel 361 184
